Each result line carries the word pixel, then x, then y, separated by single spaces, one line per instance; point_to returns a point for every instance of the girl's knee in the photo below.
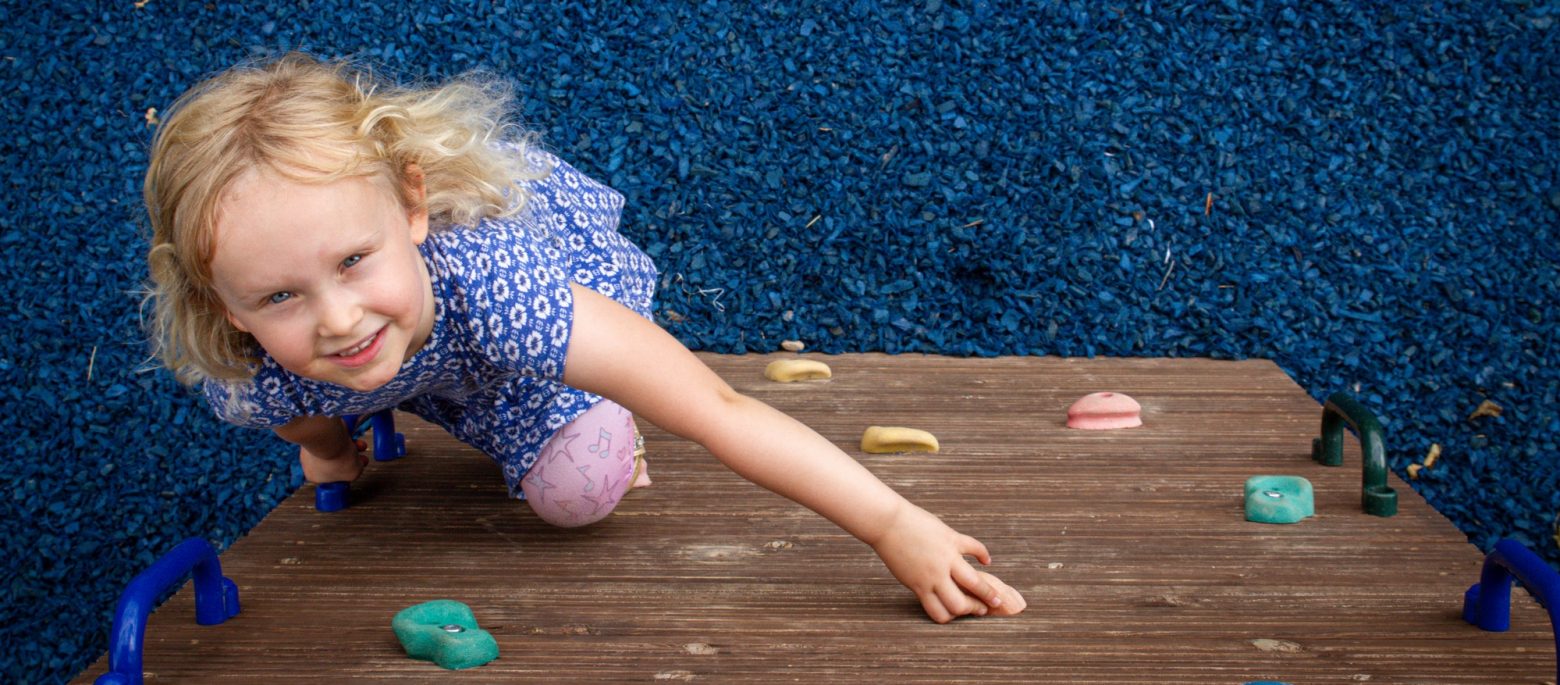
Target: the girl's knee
pixel 585 468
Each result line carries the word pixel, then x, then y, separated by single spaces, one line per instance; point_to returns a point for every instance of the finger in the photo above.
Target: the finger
pixel 934 607
pixel 956 602
pixel 977 549
pixel 975 583
pixel 360 444
pixel 1012 602
pixel 1015 602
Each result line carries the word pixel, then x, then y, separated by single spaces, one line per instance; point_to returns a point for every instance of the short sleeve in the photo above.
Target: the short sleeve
pixel 258 403
pixel 585 216
pixel 511 294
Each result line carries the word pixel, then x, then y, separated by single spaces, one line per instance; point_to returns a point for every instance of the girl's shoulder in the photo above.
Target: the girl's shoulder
pixel 561 184
pixel 266 400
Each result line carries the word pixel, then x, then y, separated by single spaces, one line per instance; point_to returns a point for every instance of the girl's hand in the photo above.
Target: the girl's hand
pixel 928 557
pixel 345 465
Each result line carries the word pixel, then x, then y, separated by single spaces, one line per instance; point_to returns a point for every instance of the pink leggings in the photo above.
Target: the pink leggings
pixel 585 468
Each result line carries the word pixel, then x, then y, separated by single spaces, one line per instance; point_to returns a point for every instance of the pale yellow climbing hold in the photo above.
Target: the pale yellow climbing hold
pixel 792 370
pixel 892 439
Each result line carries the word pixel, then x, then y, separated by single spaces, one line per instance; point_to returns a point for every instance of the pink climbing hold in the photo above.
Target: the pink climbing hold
pixel 1104 411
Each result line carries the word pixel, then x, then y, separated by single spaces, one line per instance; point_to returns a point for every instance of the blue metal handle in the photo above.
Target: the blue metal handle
pixel 388 446
pixel 1488 603
pixel 216 600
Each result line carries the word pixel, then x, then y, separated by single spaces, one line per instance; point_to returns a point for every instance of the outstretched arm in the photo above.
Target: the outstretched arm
pixel 615 353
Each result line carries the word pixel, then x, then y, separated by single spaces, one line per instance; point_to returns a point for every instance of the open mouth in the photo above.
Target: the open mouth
pixel 363 352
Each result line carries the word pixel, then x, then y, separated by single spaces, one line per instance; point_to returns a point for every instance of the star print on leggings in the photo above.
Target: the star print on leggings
pixel 543 487
pixel 605 499
pixel 565 441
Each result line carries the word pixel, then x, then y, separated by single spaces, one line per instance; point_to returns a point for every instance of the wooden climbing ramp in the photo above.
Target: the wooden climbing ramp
pixel 1130 546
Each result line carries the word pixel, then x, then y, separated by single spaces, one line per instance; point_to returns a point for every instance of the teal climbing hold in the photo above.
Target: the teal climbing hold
pixel 445 632
pixel 1279 499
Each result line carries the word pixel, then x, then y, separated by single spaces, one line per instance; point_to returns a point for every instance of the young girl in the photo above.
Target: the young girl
pixel 325 245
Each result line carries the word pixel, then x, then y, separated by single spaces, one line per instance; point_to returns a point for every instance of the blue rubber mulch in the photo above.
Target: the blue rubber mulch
pixel 1365 192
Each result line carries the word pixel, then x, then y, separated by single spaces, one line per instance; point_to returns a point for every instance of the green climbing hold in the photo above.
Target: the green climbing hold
pixel 1279 499
pixel 445 632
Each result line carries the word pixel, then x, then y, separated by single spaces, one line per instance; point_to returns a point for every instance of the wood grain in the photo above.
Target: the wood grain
pixel 1129 545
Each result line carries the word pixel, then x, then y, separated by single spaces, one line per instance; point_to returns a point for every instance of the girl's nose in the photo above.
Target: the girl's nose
pixel 339 313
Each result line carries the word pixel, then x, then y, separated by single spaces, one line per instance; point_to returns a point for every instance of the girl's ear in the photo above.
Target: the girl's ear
pixel 234 320
pixel 418 217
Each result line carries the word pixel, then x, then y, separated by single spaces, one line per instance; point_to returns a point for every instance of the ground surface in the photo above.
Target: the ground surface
pixel 1129 545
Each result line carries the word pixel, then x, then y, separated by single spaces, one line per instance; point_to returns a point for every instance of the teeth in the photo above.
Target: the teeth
pixel 359 348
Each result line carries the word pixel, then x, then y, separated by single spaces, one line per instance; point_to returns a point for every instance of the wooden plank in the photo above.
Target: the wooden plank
pixel 1130 547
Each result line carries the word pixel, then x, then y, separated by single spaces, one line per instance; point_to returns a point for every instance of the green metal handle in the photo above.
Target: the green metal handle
pixel 1378 498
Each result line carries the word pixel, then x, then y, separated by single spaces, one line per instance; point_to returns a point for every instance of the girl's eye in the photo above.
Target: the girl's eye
pixel 352 261
pixel 278 298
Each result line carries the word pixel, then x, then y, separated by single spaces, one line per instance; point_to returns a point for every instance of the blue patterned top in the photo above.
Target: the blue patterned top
pixel 491 371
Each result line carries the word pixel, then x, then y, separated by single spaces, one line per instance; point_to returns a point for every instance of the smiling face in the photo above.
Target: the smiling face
pixel 326 277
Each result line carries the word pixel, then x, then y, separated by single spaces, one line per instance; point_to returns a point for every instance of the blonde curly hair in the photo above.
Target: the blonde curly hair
pixel 310 121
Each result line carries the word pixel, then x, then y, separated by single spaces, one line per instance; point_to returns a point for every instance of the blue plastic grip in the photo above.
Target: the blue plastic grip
pixel 1488 603
pixel 329 497
pixel 216 600
pixel 388 446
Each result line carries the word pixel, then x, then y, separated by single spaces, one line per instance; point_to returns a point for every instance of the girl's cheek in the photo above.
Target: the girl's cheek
pixel 288 327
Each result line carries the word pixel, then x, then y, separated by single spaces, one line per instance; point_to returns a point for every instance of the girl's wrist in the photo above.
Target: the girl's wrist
pixel 878 526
